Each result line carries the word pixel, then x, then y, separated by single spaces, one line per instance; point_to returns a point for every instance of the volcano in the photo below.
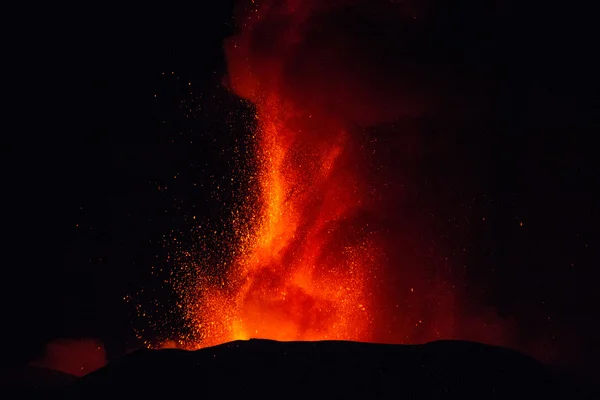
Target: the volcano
pixel 327 369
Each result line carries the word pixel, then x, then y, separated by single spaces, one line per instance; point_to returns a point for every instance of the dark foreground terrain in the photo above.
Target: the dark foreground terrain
pixel 314 370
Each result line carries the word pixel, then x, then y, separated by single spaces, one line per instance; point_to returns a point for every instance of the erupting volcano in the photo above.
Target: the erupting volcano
pixel 309 198
pixel 301 263
pixel 312 240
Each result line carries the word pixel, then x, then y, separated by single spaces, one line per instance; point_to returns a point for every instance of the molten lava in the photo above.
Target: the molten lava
pixel 300 273
pixel 359 207
pixel 300 264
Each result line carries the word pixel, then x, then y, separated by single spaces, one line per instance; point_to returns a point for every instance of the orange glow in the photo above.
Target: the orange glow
pixel 299 275
pixel 76 357
pixel 301 263
pixel 326 245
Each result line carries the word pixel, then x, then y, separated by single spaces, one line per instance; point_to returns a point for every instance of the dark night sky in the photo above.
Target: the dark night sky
pixel 87 149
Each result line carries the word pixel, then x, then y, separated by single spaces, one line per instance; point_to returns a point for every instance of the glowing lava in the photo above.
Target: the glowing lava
pixel 349 226
pixel 301 271
pixel 301 262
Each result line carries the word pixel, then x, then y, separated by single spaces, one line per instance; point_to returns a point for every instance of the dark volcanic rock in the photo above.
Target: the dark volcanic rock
pixel 33 382
pixel 328 369
pixel 36 376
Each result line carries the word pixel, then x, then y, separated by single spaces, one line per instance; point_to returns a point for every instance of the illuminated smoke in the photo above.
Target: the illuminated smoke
pixel 73 356
pixel 325 244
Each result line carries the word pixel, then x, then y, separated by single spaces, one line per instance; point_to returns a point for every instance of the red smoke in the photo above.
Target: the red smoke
pixel 72 356
pixel 361 61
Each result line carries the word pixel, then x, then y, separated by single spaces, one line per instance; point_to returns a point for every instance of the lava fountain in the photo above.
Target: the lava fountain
pixel 361 205
pixel 301 268
pixel 301 264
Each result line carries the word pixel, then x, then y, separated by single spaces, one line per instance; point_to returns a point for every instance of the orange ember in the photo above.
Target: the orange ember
pixel 300 266
pixel 300 272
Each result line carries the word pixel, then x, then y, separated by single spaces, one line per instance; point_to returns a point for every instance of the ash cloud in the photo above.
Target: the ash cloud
pixel 475 111
pixel 372 62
